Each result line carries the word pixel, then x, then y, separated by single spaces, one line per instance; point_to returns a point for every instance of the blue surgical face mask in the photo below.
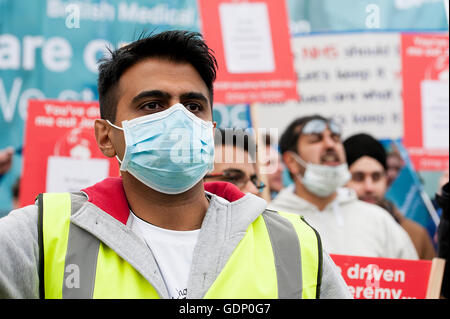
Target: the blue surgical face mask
pixel 169 151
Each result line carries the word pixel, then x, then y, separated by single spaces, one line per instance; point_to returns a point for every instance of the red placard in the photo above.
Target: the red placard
pixel 384 278
pixel 426 103
pixel 251 42
pixel 61 152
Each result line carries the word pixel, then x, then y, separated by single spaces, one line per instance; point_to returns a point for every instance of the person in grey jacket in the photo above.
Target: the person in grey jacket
pixel 158 231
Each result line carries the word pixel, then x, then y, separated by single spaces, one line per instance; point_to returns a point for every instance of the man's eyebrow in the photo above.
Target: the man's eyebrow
pixel 152 93
pixel 194 96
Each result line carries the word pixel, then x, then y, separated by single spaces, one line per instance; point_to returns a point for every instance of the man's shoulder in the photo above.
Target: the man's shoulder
pixel 24 214
pixel 19 227
pixel 414 227
pixel 359 206
pixel 30 212
pixel 374 215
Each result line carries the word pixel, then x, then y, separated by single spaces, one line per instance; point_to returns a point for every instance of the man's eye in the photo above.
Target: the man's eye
pixel 193 107
pixel 358 177
pixel 376 176
pixel 315 137
pixel 336 138
pixel 151 105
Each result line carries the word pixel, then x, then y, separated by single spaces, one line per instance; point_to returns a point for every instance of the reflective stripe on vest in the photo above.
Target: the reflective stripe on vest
pixel 280 256
pixel 77 265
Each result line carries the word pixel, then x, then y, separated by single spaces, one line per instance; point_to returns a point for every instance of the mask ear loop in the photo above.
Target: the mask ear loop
pixel 298 159
pixel 115 126
pixel 119 128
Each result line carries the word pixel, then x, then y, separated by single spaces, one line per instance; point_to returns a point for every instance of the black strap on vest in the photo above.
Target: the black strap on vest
pixel 320 270
pixel 40 199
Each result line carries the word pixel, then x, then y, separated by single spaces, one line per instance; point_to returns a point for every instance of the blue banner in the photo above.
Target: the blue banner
pixel 377 15
pixel 408 194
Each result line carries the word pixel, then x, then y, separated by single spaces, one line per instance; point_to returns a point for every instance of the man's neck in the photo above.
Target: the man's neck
pixel 183 211
pixel 319 202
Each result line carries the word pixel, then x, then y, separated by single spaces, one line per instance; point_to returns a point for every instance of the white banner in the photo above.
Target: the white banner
pixel 353 77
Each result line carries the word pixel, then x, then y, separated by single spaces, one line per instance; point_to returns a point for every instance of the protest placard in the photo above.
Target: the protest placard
pixel 388 278
pixel 251 42
pixel 425 68
pixel 61 152
pixel 354 78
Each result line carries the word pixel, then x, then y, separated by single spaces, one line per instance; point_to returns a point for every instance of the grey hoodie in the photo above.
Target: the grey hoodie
pixel 349 226
pixel 224 225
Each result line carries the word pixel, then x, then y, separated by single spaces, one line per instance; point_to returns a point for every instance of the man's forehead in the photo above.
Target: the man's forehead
pixel 367 165
pixel 325 132
pixel 154 70
pixel 366 171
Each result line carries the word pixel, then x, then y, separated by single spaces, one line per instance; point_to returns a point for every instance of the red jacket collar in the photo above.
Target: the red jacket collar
pixel 109 196
pixel 225 190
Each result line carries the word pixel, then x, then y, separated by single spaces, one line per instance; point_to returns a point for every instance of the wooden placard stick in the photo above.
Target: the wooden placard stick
pixel 435 278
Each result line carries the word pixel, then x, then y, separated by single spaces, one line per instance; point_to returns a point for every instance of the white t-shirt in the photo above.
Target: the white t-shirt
pixel 173 251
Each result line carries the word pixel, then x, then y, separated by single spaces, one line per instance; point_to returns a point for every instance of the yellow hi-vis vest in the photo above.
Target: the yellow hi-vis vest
pixel 280 256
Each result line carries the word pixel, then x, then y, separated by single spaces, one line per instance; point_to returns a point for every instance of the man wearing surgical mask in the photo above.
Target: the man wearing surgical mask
pixel 313 153
pixel 159 231
pixel 234 160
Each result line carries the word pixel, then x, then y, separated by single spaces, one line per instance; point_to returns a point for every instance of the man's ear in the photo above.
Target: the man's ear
pixel 291 164
pixel 103 136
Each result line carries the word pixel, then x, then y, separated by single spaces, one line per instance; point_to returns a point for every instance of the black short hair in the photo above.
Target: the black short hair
pixel 289 138
pixel 177 46
pixel 236 137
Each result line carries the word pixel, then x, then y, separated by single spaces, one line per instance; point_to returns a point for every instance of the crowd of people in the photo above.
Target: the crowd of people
pixel 193 223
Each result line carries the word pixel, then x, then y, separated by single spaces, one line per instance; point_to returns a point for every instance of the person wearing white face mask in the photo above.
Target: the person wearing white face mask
pixel 313 153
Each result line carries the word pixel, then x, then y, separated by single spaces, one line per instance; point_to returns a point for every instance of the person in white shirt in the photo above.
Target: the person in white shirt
pixel 313 153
